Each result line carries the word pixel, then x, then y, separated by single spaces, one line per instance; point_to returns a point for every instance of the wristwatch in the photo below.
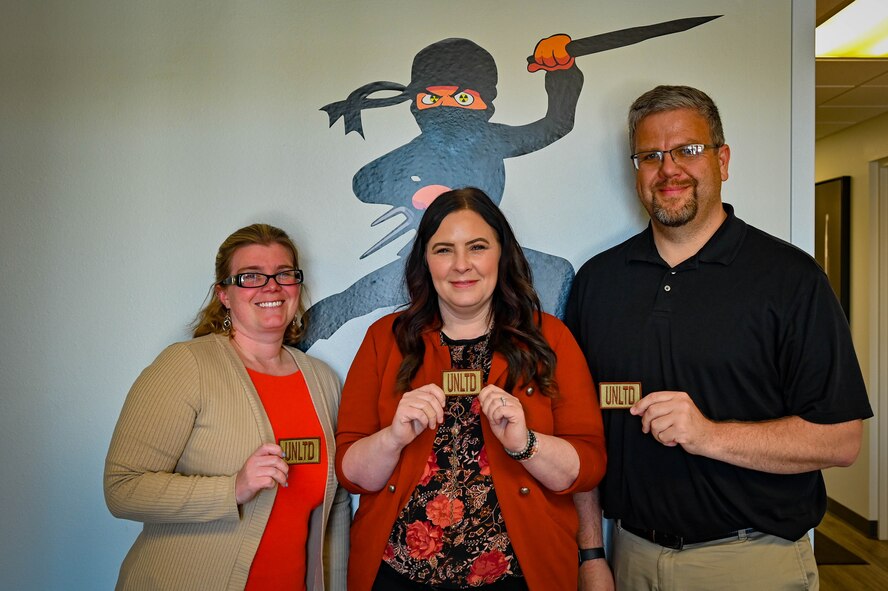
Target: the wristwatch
pixel 591 554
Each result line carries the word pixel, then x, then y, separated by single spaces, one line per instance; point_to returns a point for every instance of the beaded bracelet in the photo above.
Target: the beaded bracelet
pixel 529 450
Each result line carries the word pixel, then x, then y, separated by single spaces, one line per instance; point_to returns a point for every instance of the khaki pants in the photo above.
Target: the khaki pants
pixel 760 562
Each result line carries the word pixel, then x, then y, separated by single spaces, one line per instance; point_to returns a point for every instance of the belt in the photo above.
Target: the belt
pixel 677 542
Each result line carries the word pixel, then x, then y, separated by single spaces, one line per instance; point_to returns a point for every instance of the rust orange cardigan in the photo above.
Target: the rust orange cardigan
pixel 542 524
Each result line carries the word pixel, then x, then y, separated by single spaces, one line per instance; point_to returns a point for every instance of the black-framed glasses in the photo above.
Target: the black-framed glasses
pixel 254 279
pixel 680 155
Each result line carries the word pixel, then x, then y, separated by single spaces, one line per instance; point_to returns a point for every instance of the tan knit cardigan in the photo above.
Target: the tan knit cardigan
pixel 188 424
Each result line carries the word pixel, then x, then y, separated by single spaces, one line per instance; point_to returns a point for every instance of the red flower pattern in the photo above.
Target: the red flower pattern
pixel 424 540
pixel 437 540
pixel 483 464
pixel 443 512
pixel 429 470
pixel 487 568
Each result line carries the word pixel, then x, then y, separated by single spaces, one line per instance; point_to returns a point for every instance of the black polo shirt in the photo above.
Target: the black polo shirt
pixel 751 329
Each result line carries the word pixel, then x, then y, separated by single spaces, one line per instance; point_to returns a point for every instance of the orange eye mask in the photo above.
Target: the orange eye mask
pixel 449 96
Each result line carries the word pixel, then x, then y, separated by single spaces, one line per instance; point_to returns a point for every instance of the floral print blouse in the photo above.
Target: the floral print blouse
pixel 451 533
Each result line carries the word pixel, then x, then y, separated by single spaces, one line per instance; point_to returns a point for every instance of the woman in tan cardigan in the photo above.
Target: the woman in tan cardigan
pixel 224 448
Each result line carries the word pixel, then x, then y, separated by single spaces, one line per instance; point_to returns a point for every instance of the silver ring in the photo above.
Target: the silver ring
pixel 503 400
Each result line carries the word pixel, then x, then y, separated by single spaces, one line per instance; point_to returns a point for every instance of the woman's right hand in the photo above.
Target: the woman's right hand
pixel 263 469
pixel 370 461
pixel 418 409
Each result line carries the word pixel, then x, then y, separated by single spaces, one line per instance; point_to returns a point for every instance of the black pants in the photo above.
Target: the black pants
pixel 387 579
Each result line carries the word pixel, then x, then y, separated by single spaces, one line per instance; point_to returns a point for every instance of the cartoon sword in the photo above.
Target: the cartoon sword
pixel 624 37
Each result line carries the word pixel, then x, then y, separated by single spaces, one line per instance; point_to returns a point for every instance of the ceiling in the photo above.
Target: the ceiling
pixel 848 91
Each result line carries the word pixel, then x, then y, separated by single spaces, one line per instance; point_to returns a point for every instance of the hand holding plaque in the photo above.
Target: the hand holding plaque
pixel 418 409
pixel 506 417
pixel 264 469
pixel 672 418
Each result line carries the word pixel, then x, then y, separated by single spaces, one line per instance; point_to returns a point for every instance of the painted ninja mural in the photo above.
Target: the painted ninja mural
pixel 451 92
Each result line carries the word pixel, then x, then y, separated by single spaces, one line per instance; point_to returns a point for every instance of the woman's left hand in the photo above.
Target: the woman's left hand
pixel 506 416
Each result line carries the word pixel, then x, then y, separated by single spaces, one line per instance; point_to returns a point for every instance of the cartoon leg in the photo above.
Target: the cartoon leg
pixel 381 288
pixel 552 277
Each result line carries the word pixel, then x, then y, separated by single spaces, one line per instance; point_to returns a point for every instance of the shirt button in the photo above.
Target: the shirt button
pixel 391 488
pixel 530 391
pixel 524 491
pixel 667 288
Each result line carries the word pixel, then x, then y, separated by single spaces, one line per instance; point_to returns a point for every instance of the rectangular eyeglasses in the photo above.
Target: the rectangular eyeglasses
pixel 680 155
pixel 254 279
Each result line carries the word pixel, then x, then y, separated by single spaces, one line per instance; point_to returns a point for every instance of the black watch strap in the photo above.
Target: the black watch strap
pixel 591 554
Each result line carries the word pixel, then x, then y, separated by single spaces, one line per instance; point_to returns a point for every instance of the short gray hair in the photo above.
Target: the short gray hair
pixel 669 98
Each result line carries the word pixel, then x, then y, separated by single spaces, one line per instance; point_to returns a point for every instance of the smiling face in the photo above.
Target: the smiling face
pixel 262 313
pixel 463 259
pixel 674 195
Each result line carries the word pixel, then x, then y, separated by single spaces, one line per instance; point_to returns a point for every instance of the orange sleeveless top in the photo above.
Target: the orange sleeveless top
pixel 280 559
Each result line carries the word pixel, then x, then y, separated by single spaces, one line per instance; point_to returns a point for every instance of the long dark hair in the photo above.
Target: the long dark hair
pixel 516 311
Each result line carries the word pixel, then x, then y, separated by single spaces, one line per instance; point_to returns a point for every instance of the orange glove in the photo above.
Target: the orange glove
pixel 550 54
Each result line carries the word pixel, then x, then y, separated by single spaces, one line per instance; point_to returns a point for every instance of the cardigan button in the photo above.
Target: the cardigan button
pixel 391 488
pixel 530 391
pixel 524 491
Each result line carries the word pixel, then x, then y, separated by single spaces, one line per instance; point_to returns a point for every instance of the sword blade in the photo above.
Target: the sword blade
pixel 631 36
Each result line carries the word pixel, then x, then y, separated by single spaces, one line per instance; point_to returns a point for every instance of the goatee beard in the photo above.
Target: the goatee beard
pixel 674 219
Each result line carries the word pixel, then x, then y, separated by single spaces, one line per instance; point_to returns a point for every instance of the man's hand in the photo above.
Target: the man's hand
pixel 673 419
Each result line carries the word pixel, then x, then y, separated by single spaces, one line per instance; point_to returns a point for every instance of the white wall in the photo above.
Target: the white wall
pixel 135 136
pixel 850 153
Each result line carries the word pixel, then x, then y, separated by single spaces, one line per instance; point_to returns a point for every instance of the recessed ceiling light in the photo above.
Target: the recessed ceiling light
pixel 858 30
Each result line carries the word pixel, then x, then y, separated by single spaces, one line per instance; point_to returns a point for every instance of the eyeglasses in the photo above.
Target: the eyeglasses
pixel 680 155
pixel 254 279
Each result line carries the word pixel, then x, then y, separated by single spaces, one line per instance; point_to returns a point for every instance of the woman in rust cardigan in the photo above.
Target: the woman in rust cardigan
pixel 469 488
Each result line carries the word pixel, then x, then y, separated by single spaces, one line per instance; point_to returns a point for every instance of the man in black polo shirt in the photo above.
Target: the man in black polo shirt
pixel 737 361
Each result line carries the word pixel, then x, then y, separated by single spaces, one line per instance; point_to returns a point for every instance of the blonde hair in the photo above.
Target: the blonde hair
pixel 209 320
